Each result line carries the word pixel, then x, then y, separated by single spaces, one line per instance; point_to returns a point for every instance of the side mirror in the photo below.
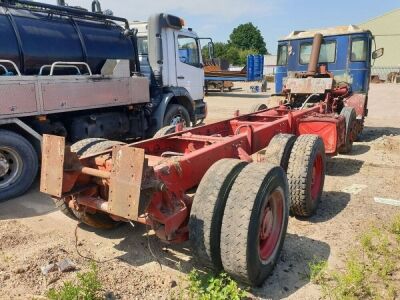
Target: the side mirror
pixel 378 53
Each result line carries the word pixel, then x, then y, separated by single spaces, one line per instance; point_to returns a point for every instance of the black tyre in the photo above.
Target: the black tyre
pixel 351 135
pixel 165 131
pixel 255 223
pixel 176 114
pixel 279 149
pixel 19 164
pixel 306 174
pixel 92 146
pixel 208 210
pixel 98 220
pixel 258 107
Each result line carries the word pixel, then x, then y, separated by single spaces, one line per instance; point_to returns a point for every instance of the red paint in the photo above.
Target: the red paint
pixel 167 181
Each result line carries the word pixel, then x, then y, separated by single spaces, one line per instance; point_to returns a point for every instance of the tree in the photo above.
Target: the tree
pixel 247 37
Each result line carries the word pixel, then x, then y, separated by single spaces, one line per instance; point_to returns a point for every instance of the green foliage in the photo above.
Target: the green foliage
pixel 370 271
pixel 87 287
pixel 318 270
pixel 247 36
pixel 245 39
pixel 208 287
pixel 352 283
pixel 395 228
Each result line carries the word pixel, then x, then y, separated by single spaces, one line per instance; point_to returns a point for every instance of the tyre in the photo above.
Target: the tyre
pixel 19 164
pixel 306 174
pixel 255 223
pixel 165 131
pixel 350 136
pixel 176 114
pixel 279 149
pixel 208 210
pixel 97 220
pixel 92 146
pixel 258 107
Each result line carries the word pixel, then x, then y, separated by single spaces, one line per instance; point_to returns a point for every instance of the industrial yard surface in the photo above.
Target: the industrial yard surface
pixel 133 265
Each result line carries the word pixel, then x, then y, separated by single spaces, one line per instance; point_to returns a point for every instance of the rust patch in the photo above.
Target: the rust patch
pixel 126 181
pixel 51 179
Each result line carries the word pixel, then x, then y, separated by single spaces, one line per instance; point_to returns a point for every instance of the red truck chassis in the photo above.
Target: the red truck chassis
pixel 153 182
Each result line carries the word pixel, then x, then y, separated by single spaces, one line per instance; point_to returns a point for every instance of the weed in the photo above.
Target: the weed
pixel 352 283
pixel 395 228
pixel 87 287
pixel 209 287
pixel 371 270
pixel 318 268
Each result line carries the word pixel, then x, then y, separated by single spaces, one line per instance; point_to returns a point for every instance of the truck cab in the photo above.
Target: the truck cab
pixel 170 57
pixel 345 51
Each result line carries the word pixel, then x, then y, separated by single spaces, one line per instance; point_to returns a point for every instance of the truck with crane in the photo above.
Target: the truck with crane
pixel 227 187
pixel 76 73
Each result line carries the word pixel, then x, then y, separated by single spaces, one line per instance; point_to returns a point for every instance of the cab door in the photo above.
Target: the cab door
pixel 189 67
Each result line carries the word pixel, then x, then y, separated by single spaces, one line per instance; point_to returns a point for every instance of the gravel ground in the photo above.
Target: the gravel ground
pixel 33 233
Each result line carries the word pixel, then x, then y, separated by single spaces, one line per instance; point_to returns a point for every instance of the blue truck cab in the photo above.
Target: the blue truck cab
pixel 345 51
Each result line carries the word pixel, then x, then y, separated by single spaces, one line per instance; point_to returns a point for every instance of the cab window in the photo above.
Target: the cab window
pixel 143 47
pixel 359 49
pixel 282 55
pixel 188 51
pixel 327 53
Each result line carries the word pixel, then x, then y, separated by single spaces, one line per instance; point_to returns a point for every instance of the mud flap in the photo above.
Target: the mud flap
pixel 53 153
pixel 126 182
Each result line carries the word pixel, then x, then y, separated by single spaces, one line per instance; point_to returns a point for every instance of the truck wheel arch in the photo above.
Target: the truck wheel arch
pixel 21 128
pixel 178 96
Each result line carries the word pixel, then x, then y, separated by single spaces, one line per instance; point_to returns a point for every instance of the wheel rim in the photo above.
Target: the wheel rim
pixel 271 224
pixel 317 173
pixel 10 166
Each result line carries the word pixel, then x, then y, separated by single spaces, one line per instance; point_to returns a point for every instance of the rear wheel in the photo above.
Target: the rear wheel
pixel 255 223
pixel 350 116
pixel 279 149
pixel 19 164
pixel 306 174
pixel 98 220
pixel 258 107
pixel 165 131
pixel 176 114
pixel 208 210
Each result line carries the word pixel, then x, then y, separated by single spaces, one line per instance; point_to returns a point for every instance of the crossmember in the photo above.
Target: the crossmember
pixel 152 181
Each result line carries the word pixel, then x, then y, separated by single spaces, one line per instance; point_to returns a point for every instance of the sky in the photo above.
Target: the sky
pixel 274 18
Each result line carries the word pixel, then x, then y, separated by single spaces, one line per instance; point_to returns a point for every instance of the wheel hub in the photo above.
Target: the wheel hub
pixel 176 120
pixel 4 165
pixel 317 174
pixel 267 224
pixel 10 166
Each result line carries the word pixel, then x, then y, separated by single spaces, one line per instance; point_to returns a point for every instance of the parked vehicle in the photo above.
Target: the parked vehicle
pixel 345 56
pixel 237 219
pixel 77 74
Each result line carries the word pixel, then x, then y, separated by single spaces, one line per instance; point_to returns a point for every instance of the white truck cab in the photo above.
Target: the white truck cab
pixel 170 56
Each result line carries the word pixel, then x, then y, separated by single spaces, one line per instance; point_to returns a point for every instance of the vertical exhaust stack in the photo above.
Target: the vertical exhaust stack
pixel 61 2
pixel 315 51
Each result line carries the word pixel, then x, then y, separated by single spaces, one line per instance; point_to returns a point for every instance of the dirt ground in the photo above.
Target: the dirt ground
pixel 136 266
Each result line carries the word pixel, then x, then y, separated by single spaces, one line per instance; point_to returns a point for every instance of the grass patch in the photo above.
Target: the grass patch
pixel 86 287
pixel 209 287
pixel 371 271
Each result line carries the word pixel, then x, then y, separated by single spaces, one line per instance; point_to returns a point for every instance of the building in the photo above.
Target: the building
pixel 386 29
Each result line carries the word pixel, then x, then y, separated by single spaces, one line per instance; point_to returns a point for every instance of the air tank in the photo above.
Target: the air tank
pixel 35 36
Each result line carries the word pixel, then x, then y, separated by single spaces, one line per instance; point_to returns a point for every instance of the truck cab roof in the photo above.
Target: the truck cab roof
pixel 330 31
